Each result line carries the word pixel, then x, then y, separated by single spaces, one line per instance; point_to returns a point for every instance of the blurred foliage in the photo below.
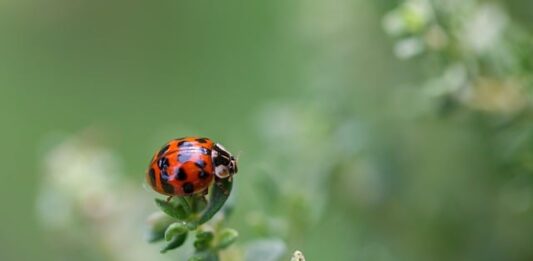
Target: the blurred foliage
pixel 367 130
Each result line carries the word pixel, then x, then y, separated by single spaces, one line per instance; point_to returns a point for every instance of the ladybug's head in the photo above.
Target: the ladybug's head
pixel 225 163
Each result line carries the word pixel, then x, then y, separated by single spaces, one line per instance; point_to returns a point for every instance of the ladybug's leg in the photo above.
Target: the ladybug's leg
pixel 169 198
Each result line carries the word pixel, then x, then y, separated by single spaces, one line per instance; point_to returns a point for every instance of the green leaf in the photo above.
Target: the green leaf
pixel 198 203
pixel 203 240
pixel 185 205
pixel 205 235
pixel 196 258
pixel 204 256
pixel 176 242
pixel 201 245
pixel 171 210
pixel 175 229
pixel 154 236
pixel 228 236
pixel 217 197
pixel 157 224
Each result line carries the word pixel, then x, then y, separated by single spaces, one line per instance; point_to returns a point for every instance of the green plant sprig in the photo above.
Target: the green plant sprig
pixel 191 214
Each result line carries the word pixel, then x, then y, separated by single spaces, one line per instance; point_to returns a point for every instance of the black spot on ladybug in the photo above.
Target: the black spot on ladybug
pixel 180 174
pixel 184 156
pixel 201 140
pixel 151 174
pixel 200 164
pixel 188 188
pixel 167 187
pixel 203 175
pixel 163 150
pixel 162 163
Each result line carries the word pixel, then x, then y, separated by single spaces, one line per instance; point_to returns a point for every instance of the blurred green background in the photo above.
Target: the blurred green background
pixel 366 130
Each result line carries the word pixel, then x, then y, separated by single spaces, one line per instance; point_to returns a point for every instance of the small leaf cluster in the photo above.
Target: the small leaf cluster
pixel 183 216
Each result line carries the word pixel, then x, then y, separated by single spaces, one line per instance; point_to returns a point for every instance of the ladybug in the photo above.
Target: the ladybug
pixel 188 166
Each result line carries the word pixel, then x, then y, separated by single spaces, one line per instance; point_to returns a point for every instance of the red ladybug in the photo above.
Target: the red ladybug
pixel 187 166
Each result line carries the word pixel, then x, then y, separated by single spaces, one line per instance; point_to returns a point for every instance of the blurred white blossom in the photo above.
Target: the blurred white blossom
pixel 407 48
pixel 453 80
pixel 298 256
pixel 484 28
pixel 84 190
pixel 411 17
pixel 78 177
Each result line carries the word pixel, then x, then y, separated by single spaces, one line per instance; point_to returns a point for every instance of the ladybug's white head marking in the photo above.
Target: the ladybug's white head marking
pixel 225 163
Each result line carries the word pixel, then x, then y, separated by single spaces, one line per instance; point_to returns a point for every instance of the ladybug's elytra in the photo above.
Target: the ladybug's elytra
pixel 187 166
